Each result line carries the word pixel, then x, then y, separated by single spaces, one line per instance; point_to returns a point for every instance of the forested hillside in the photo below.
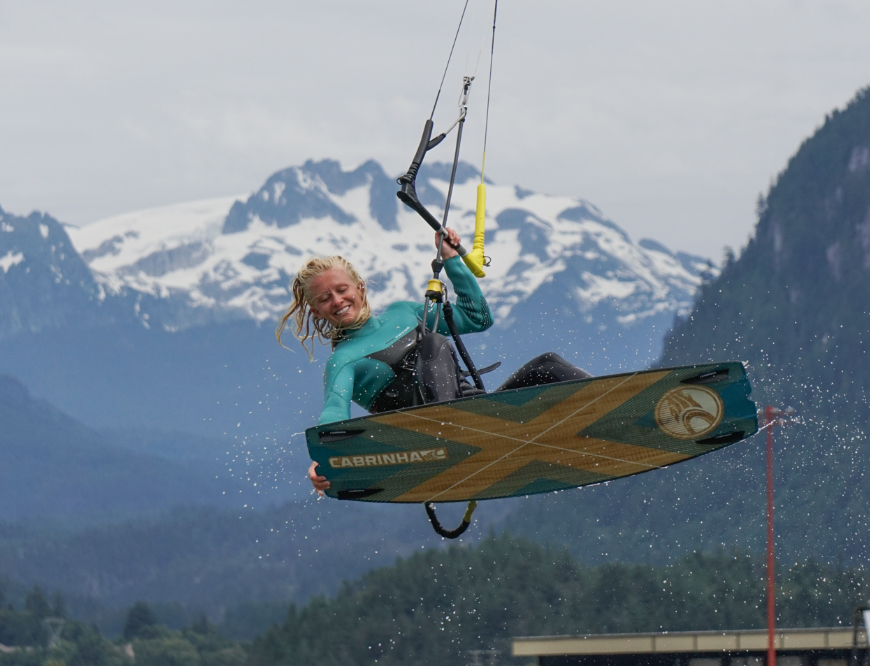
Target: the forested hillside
pixel 212 559
pixel 59 472
pixel 37 633
pixel 434 606
pixel 795 305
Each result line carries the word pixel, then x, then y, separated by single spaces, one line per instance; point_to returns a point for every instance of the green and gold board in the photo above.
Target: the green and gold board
pixel 536 439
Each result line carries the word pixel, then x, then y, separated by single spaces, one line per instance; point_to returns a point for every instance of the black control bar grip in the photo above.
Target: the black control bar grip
pixel 408 192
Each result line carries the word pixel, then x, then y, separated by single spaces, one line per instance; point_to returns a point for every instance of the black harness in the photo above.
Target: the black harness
pixel 403 391
pixel 426 370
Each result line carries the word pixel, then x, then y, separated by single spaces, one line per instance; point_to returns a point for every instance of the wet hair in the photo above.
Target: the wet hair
pixel 308 325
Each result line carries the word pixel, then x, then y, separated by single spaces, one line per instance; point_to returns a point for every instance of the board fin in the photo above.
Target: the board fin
pixel 724 438
pixel 338 435
pixel 710 377
pixel 357 493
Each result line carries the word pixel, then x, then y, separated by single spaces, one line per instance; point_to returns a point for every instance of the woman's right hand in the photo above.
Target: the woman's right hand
pixel 446 250
pixel 319 482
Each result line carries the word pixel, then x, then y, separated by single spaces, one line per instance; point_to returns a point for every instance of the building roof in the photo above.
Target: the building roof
pixel 834 638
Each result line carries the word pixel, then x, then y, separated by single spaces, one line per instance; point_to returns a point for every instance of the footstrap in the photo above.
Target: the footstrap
pixel 450 534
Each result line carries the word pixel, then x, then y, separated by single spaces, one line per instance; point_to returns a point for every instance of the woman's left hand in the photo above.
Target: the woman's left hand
pixel 446 251
pixel 319 482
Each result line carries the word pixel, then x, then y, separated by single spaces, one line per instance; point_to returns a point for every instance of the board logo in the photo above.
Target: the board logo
pixel 396 458
pixel 689 412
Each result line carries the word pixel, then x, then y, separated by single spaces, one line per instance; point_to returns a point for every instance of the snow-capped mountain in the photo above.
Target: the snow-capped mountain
pixel 227 258
pixel 44 283
pixel 164 318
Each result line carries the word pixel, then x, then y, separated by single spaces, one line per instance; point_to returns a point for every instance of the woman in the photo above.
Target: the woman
pixel 330 303
pixel 366 364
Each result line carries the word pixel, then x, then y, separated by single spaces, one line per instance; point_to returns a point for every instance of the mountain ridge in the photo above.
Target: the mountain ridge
pixel 44 282
pixel 58 470
pixel 794 307
pixel 168 324
pixel 241 267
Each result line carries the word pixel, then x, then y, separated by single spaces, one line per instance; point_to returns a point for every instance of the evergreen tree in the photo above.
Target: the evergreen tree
pixel 59 605
pixel 90 648
pixel 140 622
pixel 37 604
pixel 166 651
pixel 201 625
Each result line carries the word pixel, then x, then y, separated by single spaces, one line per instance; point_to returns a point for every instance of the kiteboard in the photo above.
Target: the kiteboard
pixel 536 439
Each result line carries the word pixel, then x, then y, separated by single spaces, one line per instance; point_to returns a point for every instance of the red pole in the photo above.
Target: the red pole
pixel 771 588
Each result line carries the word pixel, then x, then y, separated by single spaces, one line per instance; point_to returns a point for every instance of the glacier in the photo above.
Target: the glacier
pixel 233 257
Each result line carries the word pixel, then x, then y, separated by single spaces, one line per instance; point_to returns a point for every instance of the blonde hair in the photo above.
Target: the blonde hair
pixel 308 325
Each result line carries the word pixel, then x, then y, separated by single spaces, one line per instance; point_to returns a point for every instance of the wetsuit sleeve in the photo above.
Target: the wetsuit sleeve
pixel 337 393
pixel 470 310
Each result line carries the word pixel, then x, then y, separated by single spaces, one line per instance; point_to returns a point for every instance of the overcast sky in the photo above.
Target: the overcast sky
pixel 670 115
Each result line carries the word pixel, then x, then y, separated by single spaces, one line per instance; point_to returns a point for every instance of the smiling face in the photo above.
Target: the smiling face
pixel 335 297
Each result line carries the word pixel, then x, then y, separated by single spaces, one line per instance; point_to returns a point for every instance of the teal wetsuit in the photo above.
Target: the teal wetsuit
pixel 351 375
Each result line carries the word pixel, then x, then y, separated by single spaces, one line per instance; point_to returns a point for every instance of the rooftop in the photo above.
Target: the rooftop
pixel 755 640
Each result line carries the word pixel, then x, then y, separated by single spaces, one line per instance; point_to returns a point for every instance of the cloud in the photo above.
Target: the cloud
pixel 671 116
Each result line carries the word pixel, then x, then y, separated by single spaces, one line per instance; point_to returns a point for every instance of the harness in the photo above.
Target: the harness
pixel 426 370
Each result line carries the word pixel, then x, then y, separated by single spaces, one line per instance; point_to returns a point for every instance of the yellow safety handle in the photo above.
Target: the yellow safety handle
pixel 474 259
